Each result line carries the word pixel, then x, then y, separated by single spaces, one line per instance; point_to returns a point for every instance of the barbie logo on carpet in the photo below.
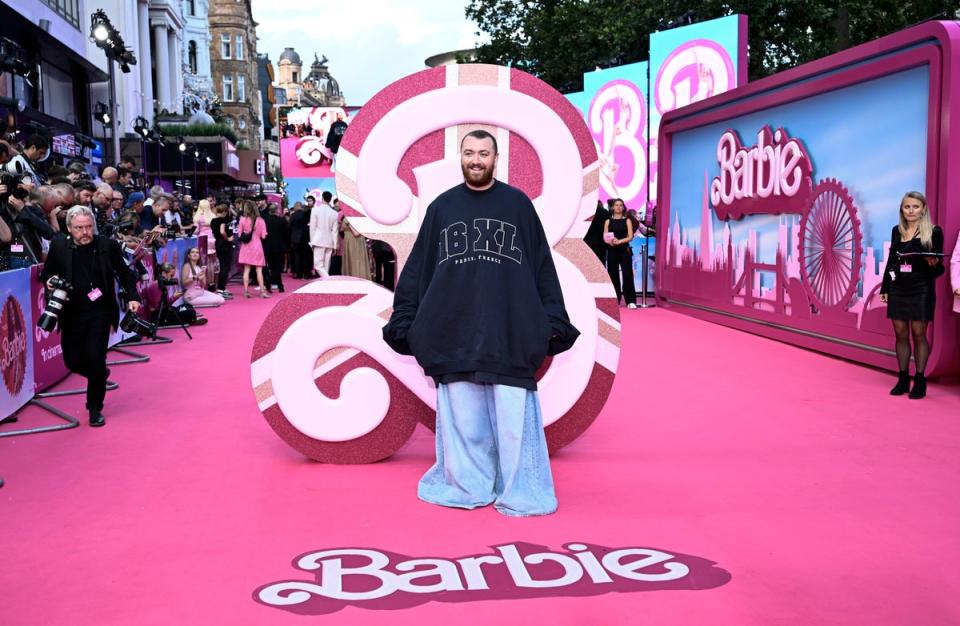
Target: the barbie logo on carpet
pixel 376 579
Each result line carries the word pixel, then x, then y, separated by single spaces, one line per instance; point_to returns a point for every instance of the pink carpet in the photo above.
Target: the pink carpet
pixel 798 491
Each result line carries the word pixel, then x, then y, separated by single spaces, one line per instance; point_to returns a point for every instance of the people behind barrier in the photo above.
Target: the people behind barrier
pixel 193 279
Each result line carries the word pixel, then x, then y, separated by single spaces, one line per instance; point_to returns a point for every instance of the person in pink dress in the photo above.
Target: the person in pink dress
pixel 193 277
pixel 251 252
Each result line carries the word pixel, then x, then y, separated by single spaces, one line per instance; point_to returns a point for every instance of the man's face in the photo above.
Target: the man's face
pixel 117 201
pixel 478 162
pixel 35 153
pixel 81 229
pixel 99 199
pixel 85 198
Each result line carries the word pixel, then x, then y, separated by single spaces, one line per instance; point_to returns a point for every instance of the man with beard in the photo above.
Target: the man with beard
pixel 91 264
pixel 479 305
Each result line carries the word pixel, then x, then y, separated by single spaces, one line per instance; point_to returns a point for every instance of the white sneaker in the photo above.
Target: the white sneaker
pixel 631 306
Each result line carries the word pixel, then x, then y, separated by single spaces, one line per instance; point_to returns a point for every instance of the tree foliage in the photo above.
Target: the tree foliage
pixel 558 40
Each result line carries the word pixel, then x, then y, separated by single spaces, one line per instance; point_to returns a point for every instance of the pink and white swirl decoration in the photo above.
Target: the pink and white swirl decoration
pixel 324 379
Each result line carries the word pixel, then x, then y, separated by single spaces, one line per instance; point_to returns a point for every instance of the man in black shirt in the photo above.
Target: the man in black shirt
pixel 91 264
pixel 334 137
pixel 479 305
pixel 275 245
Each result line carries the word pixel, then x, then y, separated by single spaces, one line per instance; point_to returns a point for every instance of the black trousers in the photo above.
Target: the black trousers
pixel 301 261
pixel 384 268
pixel 225 256
pixel 84 343
pixel 620 258
pixel 275 266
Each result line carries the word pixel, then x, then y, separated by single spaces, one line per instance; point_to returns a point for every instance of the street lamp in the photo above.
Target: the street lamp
pixel 141 126
pixel 183 150
pixel 156 135
pixel 109 40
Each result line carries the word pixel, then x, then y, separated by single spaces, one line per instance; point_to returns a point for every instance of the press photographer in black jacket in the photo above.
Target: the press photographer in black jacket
pixel 90 264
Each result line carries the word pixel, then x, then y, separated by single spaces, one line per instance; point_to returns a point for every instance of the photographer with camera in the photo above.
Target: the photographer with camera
pixel 26 222
pixel 83 269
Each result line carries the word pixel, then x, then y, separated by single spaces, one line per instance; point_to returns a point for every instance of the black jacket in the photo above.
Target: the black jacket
pixel 921 273
pixel 278 234
pixel 300 227
pixel 480 292
pixel 110 266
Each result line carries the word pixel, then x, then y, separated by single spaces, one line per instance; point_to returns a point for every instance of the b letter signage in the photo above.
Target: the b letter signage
pixel 324 379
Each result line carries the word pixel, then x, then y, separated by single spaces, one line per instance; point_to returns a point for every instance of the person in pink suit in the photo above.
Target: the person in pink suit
pixel 955 275
pixel 251 252
pixel 193 277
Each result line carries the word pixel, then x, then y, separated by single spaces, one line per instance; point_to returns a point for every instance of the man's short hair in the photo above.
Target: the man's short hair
pixel 122 171
pixel 36 141
pixel 77 167
pixel 480 134
pixel 84 185
pixel 156 191
pixel 327 196
pixel 311 199
pixel 57 171
pixel 78 210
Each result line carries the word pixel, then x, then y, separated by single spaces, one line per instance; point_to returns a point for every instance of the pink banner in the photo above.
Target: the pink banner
pixel 48 366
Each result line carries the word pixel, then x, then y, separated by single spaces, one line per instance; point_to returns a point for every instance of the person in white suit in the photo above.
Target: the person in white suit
pixel 324 230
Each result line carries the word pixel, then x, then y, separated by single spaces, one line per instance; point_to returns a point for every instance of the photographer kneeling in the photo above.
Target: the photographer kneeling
pixel 83 268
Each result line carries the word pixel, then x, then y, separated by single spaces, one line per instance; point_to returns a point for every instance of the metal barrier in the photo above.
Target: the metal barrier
pixel 645 276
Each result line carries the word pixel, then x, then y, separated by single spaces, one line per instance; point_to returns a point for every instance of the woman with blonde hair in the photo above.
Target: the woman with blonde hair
pixel 193 277
pixel 915 260
pixel 203 217
pixel 252 231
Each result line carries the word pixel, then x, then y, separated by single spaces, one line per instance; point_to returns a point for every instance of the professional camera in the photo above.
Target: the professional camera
pixel 59 294
pixel 168 282
pixel 133 323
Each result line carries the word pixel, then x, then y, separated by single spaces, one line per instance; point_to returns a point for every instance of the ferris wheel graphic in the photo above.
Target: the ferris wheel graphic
pixel 830 246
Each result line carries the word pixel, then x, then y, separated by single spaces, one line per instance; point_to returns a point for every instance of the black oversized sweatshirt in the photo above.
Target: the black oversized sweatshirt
pixel 479 294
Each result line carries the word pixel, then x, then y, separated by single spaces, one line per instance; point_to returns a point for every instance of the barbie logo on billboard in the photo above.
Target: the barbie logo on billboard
pixel 774 176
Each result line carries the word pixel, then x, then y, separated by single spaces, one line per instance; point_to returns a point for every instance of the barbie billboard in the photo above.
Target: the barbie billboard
pixel 776 206
pixel 623 105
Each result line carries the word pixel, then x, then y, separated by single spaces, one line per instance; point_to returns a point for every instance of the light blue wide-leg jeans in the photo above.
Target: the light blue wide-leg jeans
pixel 490 448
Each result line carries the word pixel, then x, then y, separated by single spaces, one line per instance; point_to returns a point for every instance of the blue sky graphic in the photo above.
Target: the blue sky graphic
pixel 872 137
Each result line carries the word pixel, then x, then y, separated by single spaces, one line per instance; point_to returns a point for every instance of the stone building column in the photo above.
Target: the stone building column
pixel 145 61
pixel 163 65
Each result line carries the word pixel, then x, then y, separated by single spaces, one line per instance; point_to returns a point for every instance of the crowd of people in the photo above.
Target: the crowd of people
pixel 258 239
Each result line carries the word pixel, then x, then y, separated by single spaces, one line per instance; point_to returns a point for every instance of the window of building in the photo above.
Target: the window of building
pixel 296 77
pixel 225 47
pixel 192 56
pixel 193 7
pixel 241 88
pixel 228 88
pixel 242 123
pixel 57 90
pixel 230 122
pixel 239 47
pixel 67 9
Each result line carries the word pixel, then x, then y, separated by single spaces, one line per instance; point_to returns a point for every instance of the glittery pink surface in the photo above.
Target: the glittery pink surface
pixel 580 254
pixel 526 172
pixel 378 444
pixel 427 149
pixel 385 100
pixel 581 416
pixel 478 74
pixel 610 307
pixel 289 310
pixel 532 86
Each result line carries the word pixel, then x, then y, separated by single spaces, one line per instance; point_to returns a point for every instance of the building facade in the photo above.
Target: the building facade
pixel 318 88
pixel 234 71
pixel 197 42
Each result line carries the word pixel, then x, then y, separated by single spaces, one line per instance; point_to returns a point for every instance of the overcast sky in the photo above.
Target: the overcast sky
pixel 370 43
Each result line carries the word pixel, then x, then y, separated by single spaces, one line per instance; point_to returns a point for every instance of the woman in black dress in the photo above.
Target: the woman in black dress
pixel 908 288
pixel 618 233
